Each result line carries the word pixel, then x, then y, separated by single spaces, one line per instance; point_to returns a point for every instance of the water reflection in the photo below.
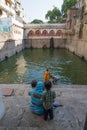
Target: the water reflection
pixel 21 68
pixel 31 64
pixel 21 65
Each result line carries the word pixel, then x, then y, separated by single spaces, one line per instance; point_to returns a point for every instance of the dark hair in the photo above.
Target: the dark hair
pixel 48 85
pixel 33 83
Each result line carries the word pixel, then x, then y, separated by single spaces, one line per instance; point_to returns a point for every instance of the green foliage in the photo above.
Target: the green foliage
pixel 53 15
pixel 37 21
pixel 66 5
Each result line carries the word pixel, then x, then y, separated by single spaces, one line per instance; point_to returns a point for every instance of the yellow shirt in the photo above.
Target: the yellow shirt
pixel 46 75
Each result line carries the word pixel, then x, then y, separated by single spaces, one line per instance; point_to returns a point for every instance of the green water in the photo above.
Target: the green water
pixel 31 64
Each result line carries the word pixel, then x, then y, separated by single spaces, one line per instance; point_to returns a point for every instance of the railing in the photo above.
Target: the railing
pixel 51 26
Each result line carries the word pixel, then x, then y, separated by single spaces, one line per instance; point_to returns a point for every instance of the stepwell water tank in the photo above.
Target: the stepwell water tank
pixel 2 107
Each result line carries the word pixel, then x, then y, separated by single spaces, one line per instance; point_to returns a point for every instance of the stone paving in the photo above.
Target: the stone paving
pixel 71 116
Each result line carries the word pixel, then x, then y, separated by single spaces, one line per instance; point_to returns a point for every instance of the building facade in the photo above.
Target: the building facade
pixel 12 22
pixel 16 34
pixel 40 35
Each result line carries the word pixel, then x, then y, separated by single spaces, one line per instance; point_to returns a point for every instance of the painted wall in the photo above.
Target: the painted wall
pixel 5 25
pixel 11 42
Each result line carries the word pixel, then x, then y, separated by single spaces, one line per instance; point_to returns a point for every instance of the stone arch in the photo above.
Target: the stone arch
pixel 51 33
pixel 37 33
pixel 44 33
pixel 59 33
pixel 31 33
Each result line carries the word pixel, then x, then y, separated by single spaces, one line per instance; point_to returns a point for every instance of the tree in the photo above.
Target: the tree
pixel 53 15
pixel 37 21
pixel 66 5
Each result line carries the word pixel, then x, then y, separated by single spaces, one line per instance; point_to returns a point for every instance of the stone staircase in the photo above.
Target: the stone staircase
pixel 71 116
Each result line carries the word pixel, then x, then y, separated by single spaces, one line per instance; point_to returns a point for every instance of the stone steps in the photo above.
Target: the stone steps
pixel 71 116
pixel 19 117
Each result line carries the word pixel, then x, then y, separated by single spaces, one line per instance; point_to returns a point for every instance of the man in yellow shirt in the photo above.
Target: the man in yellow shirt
pixel 46 75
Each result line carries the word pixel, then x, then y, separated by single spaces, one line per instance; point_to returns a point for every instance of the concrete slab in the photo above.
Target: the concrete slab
pixel 7 91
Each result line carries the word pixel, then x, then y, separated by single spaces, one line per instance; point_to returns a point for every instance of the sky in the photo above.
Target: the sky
pixel 37 9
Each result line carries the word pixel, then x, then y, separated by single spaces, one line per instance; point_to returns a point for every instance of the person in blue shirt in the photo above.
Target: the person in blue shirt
pixel 36 105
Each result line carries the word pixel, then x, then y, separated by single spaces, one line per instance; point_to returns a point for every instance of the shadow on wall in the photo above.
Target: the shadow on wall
pixel 28 43
pixel 51 42
pixel 24 39
pixel 85 125
pixel 9 48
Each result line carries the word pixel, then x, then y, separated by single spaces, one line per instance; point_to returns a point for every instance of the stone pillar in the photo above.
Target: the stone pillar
pixel 2 107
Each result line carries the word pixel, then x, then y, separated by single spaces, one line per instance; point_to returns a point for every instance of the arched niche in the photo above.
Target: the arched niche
pixel 44 33
pixel 37 33
pixel 31 33
pixel 59 33
pixel 51 33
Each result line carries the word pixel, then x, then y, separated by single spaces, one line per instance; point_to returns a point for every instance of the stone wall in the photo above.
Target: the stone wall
pixel 44 43
pixel 11 42
pixel 77 41
pixel 40 35
pixel 18 39
pixel 10 47
pixel 77 47
pixel 76 29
